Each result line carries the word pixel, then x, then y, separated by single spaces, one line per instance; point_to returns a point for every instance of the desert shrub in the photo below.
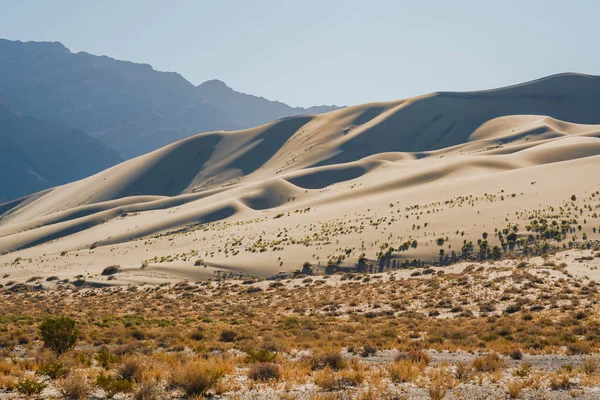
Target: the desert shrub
pixel 59 333
pixel 579 348
pixel 513 308
pixel 113 385
pixel 53 369
pixel 333 360
pixel 590 365
pixel 404 370
pixel 514 389
pixel 138 334
pixel 326 379
pixel 415 356
pixel 148 391
pixel 130 368
pixel 260 356
pixel 489 363
pixel 228 336
pixel 463 371
pixel 111 270
pixel 74 387
pixel 559 381
pixel 437 390
pixel 106 358
pixel 368 350
pixel 515 354
pixel 30 387
pixel 198 335
pixel 264 372
pixel 197 378
pixel 523 370
pixel 7 382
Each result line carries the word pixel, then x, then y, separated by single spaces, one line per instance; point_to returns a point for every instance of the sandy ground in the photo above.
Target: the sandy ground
pixel 313 188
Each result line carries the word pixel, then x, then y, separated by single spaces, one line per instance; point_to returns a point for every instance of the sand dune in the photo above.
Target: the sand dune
pixel 310 188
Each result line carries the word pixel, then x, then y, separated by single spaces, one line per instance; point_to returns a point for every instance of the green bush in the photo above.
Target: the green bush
pixel 30 387
pixel 106 358
pixel 53 369
pixel 59 333
pixel 261 356
pixel 111 270
pixel 228 336
pixel 113 386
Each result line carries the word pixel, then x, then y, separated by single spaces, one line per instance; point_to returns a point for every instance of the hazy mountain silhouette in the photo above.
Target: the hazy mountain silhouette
pixel 39 154
pixel 131 107
pixel 251 110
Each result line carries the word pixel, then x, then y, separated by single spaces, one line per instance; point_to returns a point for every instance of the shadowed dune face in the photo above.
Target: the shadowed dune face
pixel 171 172
pixel 320 178
pixel 364 168
pixel 447 119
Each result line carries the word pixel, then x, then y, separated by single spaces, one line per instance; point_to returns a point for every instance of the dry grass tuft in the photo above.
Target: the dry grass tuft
pixel 197 378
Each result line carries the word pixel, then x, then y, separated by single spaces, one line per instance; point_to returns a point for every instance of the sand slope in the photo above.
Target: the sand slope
pixel 313 187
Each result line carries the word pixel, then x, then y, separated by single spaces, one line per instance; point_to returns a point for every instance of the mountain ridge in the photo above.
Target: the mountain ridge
pixel 130 106
pixel 38 154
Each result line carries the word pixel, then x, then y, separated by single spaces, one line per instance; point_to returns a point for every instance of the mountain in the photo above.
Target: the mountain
pixel 251 110
pixel 422 175
pixel 131 107
pixel 39 154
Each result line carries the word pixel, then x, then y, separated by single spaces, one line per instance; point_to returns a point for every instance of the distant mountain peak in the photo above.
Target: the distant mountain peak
pixel 249 109
pixel 214 84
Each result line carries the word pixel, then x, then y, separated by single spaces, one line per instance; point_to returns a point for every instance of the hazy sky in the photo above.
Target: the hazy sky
pixel 326 52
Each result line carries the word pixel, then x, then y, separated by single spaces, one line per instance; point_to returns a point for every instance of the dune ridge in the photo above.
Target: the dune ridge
pixel 534 145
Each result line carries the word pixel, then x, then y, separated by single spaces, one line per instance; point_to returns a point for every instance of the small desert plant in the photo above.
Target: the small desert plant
pixel 559 381
pixel 198 335
pixel 113 385
pixel 75 387
pixel 261 356
pixel 489 363
pixel 523 370
pixel 130 368
pixel 228 336
pixel 368 350
pixel 264 372
pixel 111 270
pixel 515 354
pixel 415 356
pixel 404 370
pixel 514 389
pixel 30 387
pixel 148 391
pixel 106 358
pixel 437 391
pixel 59 334
pixel 463 371
pixel 53 369
pixel 326 379
pixel 590 365
pixel 7 382
pixel 197 378
pixel 333 360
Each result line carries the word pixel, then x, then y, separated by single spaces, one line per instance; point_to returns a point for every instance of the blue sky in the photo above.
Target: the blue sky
pixel 326 52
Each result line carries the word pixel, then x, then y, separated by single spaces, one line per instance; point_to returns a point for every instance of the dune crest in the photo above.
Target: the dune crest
pixel 349 179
